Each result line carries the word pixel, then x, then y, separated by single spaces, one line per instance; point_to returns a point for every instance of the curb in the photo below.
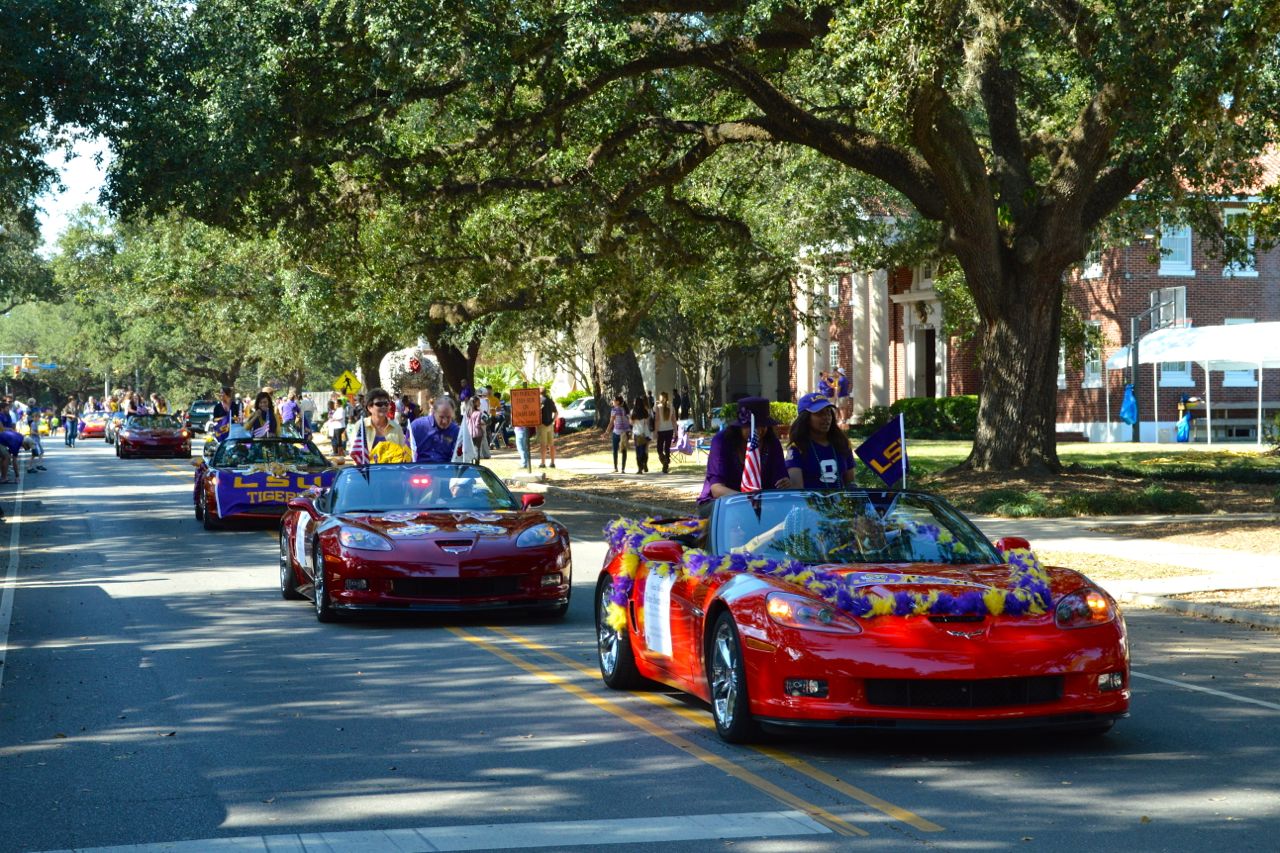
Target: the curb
pixel 1209 611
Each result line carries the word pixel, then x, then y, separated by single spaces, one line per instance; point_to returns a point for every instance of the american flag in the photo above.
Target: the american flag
pixel 751 465
pixel 262 431
pixel 413 442
pixel 358 453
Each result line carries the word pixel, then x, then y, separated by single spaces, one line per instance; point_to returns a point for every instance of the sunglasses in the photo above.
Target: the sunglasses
pixel 381 404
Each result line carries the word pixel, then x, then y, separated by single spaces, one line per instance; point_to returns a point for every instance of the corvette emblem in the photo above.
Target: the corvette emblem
pixel 967 635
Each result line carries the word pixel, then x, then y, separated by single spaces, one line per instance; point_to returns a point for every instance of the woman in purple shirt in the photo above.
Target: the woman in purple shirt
pixel 819 456
pixel 729 452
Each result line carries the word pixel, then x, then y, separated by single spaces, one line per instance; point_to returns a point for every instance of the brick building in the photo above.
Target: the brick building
pixel 1193 288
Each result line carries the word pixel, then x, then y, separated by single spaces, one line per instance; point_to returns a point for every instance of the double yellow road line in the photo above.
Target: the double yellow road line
pixel 653 727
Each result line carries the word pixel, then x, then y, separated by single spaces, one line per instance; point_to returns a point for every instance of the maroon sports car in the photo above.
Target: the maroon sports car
pixel 152 435
pixel 422 537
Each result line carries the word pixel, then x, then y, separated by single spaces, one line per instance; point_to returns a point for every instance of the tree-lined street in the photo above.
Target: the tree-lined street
pixel 157 689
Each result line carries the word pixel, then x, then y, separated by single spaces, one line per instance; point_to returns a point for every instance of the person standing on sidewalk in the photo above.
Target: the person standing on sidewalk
pixel 619 432
pixel 664 424
pixel 70 421
pixel 546 430
pixel 642 431
pixel 33 432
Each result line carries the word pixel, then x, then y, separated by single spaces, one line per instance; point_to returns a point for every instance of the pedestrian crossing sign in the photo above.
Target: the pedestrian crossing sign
pixel 347 384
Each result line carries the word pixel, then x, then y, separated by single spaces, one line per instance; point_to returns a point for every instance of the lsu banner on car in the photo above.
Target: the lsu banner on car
pixel 263 491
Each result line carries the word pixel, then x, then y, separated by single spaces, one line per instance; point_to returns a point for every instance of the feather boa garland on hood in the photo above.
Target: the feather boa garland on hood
pixel 1028 590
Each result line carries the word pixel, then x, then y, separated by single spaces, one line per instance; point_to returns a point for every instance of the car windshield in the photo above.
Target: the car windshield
pixel 202 408
pixel 848 527
pixel 379 488
pixel 152 422
pixel 95 416
pixel 235 453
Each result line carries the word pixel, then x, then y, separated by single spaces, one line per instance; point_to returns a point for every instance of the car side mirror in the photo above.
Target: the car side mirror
pixel 663 551
pixel 530 500
pixel 303 505
pixel 1010 543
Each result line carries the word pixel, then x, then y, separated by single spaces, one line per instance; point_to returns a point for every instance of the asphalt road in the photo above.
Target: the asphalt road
pixel 156 689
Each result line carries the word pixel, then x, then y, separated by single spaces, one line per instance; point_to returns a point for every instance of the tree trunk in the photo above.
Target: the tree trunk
pixel 456 363
pixel 614 369
pixel 1017 409
pixel 368 362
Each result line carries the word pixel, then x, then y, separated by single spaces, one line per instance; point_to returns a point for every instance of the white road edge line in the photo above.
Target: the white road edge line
pixel 1272 705
pixel 505 836
pixel 10 580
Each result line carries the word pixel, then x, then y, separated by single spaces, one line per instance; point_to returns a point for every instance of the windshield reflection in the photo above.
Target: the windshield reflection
pixel 849 527
pixel 380 488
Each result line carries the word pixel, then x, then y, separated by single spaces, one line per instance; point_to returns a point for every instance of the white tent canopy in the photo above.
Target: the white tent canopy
pixel 1248 346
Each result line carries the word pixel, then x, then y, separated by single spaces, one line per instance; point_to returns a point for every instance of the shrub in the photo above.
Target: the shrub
pixel 783 413
pixel 938 417
pixel 1014 503
pixel 875 417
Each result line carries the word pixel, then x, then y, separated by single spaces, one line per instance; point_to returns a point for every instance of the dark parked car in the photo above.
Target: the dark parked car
pixel 198 415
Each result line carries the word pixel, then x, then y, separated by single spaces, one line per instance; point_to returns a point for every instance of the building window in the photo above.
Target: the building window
pixel 1241 269
pixel 1092 264
pixel 1062 367
pixel 833 355
pixel 1173 312
pixel 833 291
pixel 1239 378
pixel 1175 250
pixel 924 275
pixel 1092 354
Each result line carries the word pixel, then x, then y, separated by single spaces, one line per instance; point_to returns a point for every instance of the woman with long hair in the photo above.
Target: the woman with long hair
pixel 642 432
pixel 664 425
pixel 263 419
pixel 819 456
pixel 619 431
pixel 726 462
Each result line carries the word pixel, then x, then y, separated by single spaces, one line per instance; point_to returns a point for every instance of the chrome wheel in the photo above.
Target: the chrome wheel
pixel 606 637
pixel 319 590
pixel 725 665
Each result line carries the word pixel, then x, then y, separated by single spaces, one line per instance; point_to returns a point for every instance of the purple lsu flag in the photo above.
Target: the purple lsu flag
pixel 262 492
pixel 885 452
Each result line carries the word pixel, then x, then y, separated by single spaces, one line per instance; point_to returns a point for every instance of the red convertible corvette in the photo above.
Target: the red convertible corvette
pixel 152 435
pixel 421 537
pixel 857 610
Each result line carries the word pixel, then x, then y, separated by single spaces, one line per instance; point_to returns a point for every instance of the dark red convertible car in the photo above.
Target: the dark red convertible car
pixel 423 537
pixel 152 435
pixel 857 610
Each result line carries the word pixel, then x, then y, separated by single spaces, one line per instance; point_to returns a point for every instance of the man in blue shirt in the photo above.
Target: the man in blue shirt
pixel 434 435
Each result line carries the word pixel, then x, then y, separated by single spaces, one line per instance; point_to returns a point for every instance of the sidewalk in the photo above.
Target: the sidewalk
pixel 1209 568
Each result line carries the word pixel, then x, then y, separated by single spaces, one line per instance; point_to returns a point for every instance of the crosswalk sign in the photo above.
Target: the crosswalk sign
pixel 347 384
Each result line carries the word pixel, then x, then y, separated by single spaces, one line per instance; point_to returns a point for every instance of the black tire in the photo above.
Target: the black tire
pixel 319 591
pixel 288 580
pixel 727 684
pixel 200 505
pixel 613 649
pixel 208 516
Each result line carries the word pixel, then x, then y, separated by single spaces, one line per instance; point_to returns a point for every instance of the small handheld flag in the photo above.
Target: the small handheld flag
pixel 359 453
pixel 885 452
pixel 751 464
pixel 413 443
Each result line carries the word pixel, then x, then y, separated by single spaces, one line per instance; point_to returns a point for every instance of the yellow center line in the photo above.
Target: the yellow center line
pixel 818 813
pixel 797 764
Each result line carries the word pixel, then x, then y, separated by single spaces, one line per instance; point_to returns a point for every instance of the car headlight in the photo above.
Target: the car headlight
pixel 1083 608
pixel 796 611
pixel 363 540
pixel 539 534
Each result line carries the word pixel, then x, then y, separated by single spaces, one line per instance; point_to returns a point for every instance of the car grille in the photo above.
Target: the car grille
pixel 455 587
pixel 950 693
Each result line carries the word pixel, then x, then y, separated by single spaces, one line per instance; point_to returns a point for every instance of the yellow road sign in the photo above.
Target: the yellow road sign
pixel 347 383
